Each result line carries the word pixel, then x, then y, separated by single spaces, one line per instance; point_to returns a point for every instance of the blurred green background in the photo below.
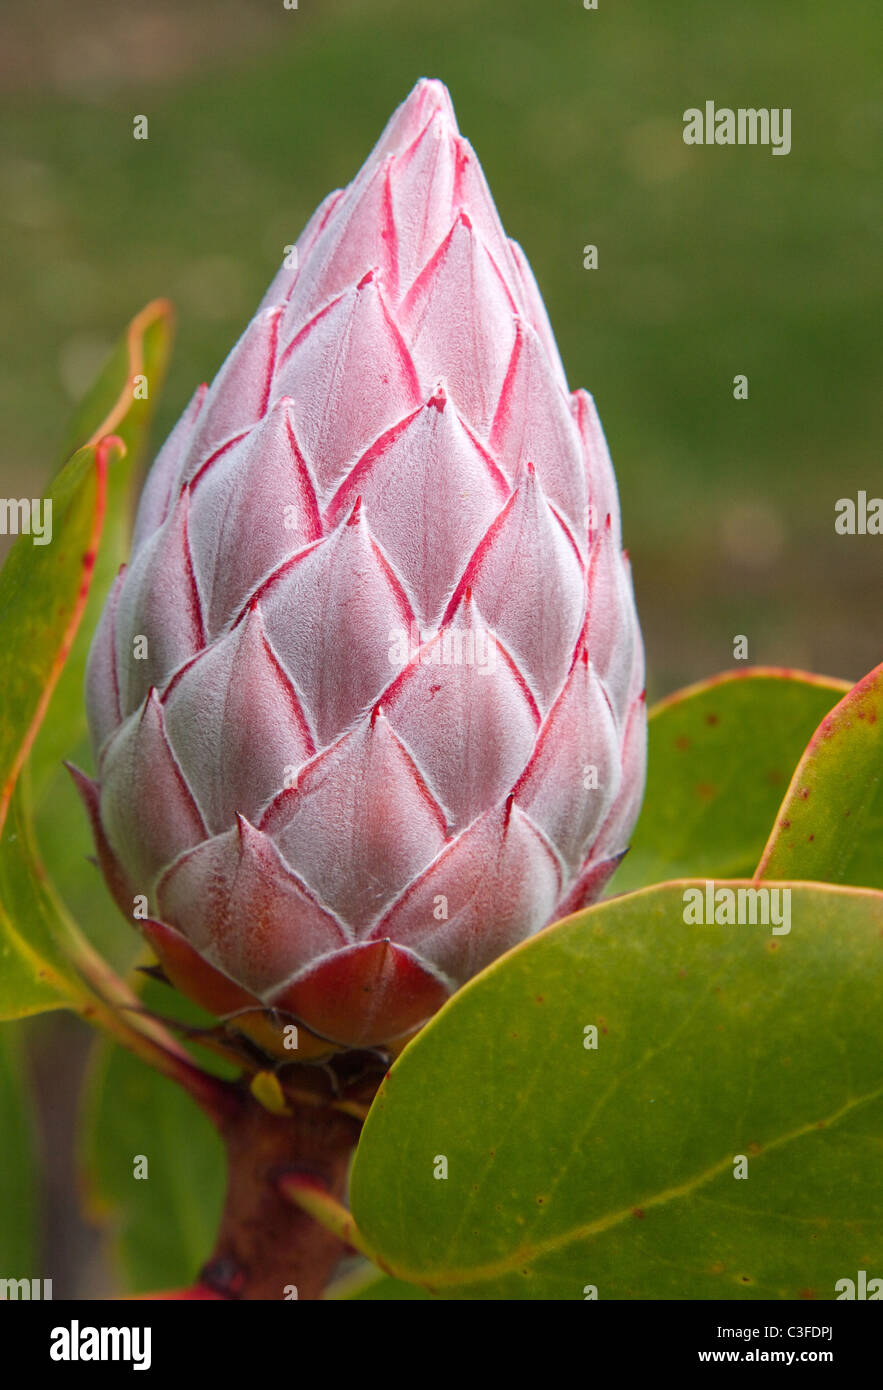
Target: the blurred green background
pixel 712 261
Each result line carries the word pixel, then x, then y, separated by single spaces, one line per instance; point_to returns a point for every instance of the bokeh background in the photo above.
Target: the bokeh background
pixel 713 262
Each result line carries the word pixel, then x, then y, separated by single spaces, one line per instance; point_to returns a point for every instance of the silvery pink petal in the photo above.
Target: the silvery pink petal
pixel 463 711
pixel 613 644
pixel 530 587
pixel 533 421
pixel 492 886
pixel 330 616
pixel 448 340
pixel 367 705
pixel 603 499
pixel 163 481
pixel 422 187
pixel 244 910
pixel 576 772
pixel 239 395
pixel 588 887
pixel 121 889
pixel 359 237
pixel 387 823
pixel 474 197
pixel 252 508
pixel 615 831
pixel 535 311
pixel 147 807
pixel 427 522
pixel 365 995
pixel 102 682
pixel 428 99
pixel 237 724
pixel 283 282
pixel 350 378
pixel 159 622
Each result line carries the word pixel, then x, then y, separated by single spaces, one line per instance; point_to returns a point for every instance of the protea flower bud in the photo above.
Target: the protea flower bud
pixel 367 704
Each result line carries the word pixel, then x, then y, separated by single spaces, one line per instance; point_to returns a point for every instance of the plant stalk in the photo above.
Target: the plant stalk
pixel 268 1247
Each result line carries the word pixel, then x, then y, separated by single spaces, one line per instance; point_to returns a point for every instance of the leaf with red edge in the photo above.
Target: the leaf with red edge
pixel 720 757
pixel 115 405
pixel 830 825
pixel 116 402
pixel 43 591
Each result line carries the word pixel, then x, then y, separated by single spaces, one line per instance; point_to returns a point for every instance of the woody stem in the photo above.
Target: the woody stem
pixel 268 1247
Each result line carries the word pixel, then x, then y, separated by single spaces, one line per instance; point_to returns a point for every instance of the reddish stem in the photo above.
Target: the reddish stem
pixel 267 1248
pixel 199 1293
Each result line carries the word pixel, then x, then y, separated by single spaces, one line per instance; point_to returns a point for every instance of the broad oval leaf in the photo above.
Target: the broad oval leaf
pixel 720 758
pixel 504 1158
pixel 830 825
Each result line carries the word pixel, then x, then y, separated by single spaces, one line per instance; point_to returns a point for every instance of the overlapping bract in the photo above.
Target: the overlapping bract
pixel 367 704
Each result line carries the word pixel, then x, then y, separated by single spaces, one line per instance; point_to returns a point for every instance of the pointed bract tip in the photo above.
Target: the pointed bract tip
pixel 428 96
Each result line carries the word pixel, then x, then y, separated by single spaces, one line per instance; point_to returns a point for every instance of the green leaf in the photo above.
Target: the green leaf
pixel 721 755
pixel 162 1227
pixel 19 1243
pixel 830 825
pixel 35 974
pixel 111 407
pixel 63 831
pixel 613 1166
pixel 43 593
pixel 371 1285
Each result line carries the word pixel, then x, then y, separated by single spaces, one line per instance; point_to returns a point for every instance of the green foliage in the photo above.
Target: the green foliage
pixel 63 831
pixel 162 1225
pixel 18 1207
pixel 612 1165
pixel 721 755
pixel 830 827
pixel 42 597
pixel 35 974
pixel 114 405
pixel 368 1285
pixel 45 591
pixel 578 1116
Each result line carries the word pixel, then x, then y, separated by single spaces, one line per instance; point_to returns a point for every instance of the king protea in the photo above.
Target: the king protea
pixel 367 703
